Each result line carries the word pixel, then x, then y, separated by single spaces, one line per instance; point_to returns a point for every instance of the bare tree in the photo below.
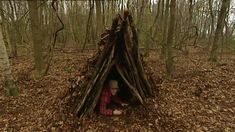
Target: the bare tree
pixel 98 18
pixel 37 40
pixel 165 26
pixel 11 88
pixel 219 30
pixel 171 30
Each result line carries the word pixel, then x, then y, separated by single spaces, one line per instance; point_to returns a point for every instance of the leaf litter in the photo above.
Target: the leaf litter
pixel 200 97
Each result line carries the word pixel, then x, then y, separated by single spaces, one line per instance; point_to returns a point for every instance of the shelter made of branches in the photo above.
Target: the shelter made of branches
pixel 118 53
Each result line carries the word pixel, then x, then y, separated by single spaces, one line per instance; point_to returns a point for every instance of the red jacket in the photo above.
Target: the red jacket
pixel 106 98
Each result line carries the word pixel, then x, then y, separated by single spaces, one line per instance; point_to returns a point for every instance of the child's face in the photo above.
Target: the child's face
pixel 114 91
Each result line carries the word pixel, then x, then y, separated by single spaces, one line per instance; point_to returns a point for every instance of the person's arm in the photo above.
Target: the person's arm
pixel 116 99
pixel 103 104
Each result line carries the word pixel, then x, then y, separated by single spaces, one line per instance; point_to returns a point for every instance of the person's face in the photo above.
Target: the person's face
pixel 114 91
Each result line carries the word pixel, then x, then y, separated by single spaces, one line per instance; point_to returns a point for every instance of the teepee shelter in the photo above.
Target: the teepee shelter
pixel 117 58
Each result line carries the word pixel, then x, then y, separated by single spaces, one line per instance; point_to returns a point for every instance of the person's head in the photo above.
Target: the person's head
pixel 113 84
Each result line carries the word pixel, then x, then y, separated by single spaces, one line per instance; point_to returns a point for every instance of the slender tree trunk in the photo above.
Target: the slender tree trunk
pixel 89 26
pixel 103 13
pixel 156 18
pixel 13 33
pixel 98 19
pixel 171 31
pixel 16 28
pixel 225 36
pixel 212 22
pixel 140 17
pixel 37 41
pixel 219 30
pixel 11 88
pixel 165 26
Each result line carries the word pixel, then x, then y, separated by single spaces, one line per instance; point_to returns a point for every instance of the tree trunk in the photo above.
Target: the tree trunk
pixel 11 88
pixel 212 22
pixel 37 41
pixel 165 23
pixel 89 25
pixel 98 19
pixel 171 30
pixel 219 29
pixel 5 30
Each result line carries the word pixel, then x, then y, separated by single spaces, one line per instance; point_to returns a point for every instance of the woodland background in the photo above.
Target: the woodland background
pixel 189 44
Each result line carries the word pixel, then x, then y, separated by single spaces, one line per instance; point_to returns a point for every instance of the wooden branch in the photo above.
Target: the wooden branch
pixel 134 92
pixel 93 101
pixel 122 51
pixel 88 24
pixel 50 52
pixel 81 109
pixel 138 62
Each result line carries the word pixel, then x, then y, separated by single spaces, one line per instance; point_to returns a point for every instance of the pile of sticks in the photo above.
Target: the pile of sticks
pixel 120 50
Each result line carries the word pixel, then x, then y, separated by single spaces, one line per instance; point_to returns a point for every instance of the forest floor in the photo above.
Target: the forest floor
pixel 200 97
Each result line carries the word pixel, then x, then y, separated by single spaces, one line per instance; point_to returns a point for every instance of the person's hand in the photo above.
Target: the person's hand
pixel 124 104
pixel 117 112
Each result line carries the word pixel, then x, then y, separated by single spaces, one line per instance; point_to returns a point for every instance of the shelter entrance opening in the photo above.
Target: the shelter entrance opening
pixel 123 93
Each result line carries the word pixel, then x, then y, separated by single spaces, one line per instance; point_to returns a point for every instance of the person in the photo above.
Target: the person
pixel 109 99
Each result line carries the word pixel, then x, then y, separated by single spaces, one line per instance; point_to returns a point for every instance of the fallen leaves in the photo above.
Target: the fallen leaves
pixel 177 107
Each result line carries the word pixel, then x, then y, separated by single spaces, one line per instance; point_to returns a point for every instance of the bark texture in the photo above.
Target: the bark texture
pixel 10 86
